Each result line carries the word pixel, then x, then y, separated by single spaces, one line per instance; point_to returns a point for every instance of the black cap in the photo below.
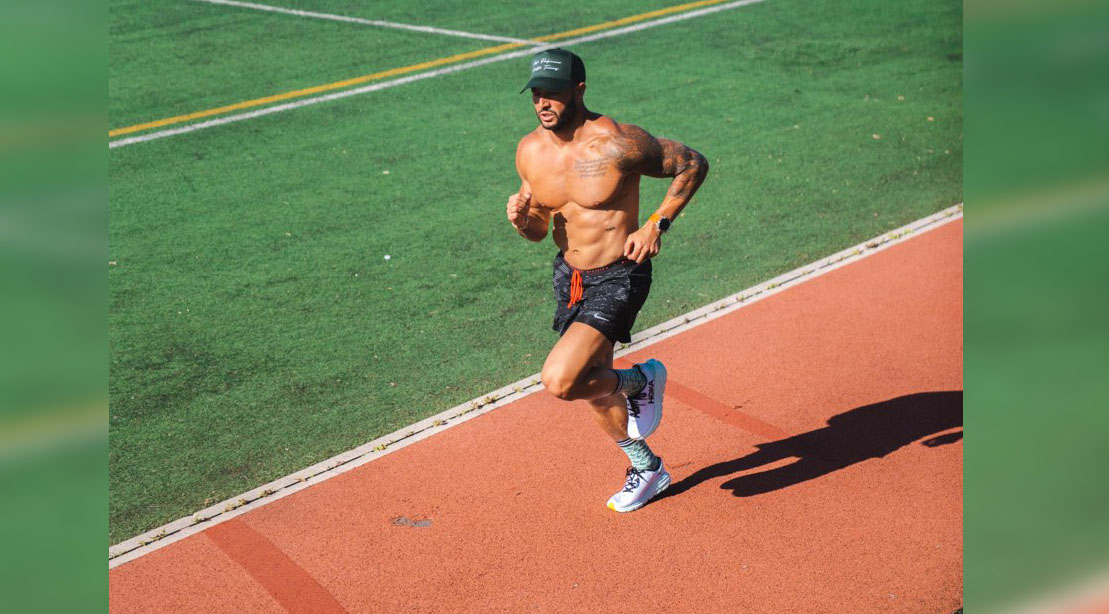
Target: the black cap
pixel 555 70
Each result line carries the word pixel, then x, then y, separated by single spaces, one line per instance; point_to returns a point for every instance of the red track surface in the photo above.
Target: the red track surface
pixel 814 443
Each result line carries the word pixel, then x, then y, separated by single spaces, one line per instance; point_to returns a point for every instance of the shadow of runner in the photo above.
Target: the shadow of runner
pixel 862 433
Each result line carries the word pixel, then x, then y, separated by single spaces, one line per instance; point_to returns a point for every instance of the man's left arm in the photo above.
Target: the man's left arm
pixel 644 154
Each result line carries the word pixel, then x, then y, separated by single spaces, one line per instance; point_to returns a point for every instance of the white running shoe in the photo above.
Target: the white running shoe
pixel 641 486
pixel 645 408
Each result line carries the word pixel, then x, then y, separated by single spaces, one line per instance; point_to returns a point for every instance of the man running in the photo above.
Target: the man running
pixel 580 170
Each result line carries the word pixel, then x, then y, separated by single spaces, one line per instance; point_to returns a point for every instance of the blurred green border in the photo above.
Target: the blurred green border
pixel 1037 291
pixel 1035 490
pixel 53 247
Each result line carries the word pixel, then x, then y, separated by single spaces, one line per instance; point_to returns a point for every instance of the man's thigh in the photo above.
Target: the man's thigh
pixel 580 349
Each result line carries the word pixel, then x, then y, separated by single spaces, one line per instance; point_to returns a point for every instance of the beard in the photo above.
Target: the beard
pixel 562 119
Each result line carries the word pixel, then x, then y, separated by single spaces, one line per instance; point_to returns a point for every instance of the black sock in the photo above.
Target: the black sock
pixel 629 381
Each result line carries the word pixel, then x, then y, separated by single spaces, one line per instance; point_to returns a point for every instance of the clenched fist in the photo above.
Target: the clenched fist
pixel 519 205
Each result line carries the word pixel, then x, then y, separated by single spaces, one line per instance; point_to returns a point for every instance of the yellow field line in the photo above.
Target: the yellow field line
pixel 608 25
pixel 246 104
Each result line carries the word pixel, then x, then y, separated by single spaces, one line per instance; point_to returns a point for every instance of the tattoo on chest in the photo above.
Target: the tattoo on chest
pixel 588 169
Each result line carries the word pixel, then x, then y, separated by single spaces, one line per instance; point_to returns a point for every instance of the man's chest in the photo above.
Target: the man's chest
pixel 588 179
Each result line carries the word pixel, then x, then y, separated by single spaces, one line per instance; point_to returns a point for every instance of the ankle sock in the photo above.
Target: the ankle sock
pixel 630 382
pixel 639 454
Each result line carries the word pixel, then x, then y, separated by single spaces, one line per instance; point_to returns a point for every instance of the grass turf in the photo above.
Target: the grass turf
pixel 256 327
pixel 171 58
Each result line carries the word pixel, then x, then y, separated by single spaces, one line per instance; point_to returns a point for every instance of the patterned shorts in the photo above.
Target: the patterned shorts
pixel 607 298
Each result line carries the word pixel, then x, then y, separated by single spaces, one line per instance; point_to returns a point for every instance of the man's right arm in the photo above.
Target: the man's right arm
pixel 530 222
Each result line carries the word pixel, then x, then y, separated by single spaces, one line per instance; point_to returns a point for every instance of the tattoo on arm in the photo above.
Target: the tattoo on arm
pixel 639 152
pixel 687 166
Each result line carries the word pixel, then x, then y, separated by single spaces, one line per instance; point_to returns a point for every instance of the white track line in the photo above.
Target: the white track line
pixel 225 510
pixel 425 75
pixel 368 22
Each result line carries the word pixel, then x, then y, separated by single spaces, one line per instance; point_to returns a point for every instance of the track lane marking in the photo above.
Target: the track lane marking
pixel 711 6
pixel 367 22
pixel 288 583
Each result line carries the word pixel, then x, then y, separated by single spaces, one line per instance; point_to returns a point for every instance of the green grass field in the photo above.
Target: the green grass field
pixel 256 327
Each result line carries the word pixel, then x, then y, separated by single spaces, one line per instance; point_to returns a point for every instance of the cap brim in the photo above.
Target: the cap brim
pixel 547 83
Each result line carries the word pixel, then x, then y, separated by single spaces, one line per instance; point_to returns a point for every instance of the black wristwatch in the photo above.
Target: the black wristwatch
pixel 662 223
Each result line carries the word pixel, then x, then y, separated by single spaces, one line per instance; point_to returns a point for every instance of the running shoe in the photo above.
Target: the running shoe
pixel 645 407
pixel 640 487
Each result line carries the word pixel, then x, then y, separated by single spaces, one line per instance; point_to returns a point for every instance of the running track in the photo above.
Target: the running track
pixel 814 439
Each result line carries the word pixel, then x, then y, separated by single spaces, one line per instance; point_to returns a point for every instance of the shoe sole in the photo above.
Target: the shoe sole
pixel 660 388
pixel 662 484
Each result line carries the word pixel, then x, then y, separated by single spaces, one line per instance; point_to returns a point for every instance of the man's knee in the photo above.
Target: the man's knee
pixel 559 382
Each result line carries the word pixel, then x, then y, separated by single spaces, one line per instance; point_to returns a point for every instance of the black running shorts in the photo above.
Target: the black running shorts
pixel 607 298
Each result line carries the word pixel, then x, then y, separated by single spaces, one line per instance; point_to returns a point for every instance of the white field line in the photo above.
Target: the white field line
pixel 368 22
pixel 179 529
pixel 425 75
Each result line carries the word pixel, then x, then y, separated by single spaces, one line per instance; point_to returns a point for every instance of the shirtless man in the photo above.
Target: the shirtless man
pixel 580 170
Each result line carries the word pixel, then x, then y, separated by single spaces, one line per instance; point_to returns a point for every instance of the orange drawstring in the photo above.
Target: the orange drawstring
pixel 576 288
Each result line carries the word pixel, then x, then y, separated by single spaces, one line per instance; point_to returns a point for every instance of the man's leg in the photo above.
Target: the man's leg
pixel 611 412
pixel 573 370
pixel 646 477
pixel 569 377
pixel 580 367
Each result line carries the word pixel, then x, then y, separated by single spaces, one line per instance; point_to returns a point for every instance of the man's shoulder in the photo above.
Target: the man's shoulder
pixel 528 150
pixel 620 134
pixel 603 124
pixel 603 127
pixel 633 132
pixel 627 143
pixel 529 141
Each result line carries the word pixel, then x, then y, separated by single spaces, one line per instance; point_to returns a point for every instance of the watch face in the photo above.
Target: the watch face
pixel 663 224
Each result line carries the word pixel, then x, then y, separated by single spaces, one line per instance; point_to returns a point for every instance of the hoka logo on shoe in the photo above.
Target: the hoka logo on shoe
pixel 633 408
